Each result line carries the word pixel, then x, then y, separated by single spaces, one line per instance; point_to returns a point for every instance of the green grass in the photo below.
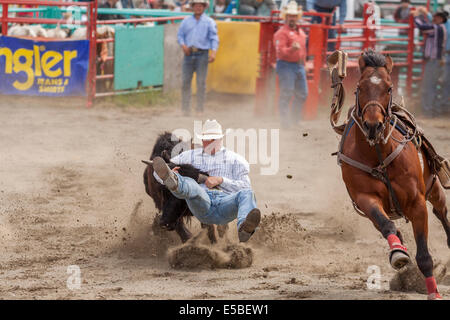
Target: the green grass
pixel 153 98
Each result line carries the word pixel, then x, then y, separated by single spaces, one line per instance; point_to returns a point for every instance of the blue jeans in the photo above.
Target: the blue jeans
pixel 214 206
pixel 198 63
pixel 292 81
pixel 429 90
pixel 445 99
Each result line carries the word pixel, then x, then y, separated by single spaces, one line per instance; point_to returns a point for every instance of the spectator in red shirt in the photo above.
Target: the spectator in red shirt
pixel 290 45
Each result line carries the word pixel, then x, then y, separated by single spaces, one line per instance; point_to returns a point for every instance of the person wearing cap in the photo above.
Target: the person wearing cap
pixel 434 50
pixel 225 195
pixel 197 35
pixel 290 46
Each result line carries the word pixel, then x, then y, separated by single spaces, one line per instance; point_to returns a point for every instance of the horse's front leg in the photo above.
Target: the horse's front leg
pixel 419 220
pixel 373 208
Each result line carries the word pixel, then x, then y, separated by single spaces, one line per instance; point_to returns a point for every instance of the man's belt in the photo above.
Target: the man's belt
pixel 300 62
pixel 194 50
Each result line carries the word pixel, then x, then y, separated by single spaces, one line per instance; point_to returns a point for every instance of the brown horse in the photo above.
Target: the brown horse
pixel 382 170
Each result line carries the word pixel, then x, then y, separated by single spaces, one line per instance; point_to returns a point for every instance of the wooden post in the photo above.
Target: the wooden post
pixel 4 17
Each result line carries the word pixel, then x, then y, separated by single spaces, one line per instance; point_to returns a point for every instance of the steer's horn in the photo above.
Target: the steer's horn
pixel 149 163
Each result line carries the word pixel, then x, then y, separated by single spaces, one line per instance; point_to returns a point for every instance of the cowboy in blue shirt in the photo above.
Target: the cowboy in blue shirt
pixel 196 36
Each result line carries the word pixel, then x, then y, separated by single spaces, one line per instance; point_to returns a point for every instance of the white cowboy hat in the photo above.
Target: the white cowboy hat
pixel 205 2
pixel 211 130
pixel 292 8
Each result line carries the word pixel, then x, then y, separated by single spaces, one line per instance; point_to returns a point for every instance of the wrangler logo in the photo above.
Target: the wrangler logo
pixel 36 63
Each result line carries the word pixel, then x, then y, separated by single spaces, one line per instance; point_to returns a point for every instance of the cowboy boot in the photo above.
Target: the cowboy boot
pixel 248 227
pixel 163 171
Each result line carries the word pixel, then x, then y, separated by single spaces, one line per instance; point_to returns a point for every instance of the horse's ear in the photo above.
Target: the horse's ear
pixel 362 63
pixel 389 64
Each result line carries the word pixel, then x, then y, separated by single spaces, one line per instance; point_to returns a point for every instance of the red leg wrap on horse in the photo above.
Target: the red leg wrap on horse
pixel 431 285
pixel 395 243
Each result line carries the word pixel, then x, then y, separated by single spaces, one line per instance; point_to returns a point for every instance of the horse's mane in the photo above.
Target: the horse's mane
pixel 373 59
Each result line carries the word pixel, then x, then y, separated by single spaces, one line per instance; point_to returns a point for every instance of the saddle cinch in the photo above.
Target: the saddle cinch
pixel 406 123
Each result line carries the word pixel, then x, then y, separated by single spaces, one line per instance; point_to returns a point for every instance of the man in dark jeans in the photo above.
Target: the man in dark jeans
pixel 197 35
pixel 290 45
pixel 327 6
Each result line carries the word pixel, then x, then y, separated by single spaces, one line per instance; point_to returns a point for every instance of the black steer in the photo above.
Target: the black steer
pixel 174 210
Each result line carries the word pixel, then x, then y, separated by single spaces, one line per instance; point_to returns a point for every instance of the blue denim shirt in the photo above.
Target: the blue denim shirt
pixel 201 33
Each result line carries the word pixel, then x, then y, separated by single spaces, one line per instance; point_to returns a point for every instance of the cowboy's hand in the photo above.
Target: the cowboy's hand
pixel 186 50
pixel 296 45
pixel 176 169
pixel 212 56
pixel 211 182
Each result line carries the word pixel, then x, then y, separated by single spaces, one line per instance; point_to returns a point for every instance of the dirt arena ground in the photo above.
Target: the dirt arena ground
pixel 71 193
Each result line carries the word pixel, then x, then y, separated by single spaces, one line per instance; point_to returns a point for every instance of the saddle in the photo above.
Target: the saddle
pixel 406 123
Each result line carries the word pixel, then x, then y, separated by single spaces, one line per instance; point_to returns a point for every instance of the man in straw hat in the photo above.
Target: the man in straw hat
pixel 197 35
pixel 225 195
pixel 290 45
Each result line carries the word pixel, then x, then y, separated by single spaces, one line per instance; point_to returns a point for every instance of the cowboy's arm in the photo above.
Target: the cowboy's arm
pixel 281 46
pixel 240 179
pixel 214 40
pixel 181 35
pixel 423 25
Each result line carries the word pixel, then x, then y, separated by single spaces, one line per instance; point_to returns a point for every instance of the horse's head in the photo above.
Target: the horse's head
pixel 374 94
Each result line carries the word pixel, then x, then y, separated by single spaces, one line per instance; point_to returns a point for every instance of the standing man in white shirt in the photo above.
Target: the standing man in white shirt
pixel 232 196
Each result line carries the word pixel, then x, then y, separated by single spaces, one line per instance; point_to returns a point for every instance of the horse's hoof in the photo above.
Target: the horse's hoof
pixel 399 259
pixel 434 296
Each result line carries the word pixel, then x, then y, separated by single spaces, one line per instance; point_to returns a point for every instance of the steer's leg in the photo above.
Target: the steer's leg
pixel 182 230
pixel 211 232
pixel 222 229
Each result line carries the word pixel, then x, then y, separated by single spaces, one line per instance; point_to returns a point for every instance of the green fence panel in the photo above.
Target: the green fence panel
pixel 139 57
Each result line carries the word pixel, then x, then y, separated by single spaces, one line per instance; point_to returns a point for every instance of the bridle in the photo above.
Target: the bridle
pixel 387 115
